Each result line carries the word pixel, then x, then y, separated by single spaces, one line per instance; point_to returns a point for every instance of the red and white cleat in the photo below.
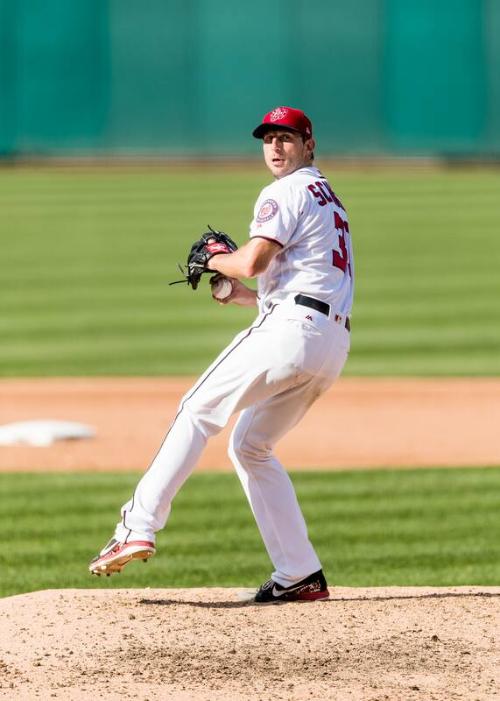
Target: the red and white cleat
pixel 115 555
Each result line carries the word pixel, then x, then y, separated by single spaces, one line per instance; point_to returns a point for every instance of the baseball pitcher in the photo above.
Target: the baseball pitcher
pixel 300 251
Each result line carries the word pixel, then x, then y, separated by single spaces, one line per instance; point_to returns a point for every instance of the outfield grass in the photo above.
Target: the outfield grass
pixel 87 254
pixel 400 527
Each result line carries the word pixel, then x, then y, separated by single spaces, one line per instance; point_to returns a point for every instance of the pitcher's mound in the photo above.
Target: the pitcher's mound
pixel 208 644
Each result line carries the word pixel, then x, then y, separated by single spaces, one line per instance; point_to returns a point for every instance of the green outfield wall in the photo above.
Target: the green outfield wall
pixel 404 77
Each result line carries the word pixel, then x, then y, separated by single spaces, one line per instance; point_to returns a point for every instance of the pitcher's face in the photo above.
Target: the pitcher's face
pixel 285 151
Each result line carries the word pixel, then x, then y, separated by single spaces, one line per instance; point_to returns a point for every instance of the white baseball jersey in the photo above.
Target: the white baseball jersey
pixel 304 216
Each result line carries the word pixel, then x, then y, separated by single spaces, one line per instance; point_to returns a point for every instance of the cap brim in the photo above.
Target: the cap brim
pixel 263 128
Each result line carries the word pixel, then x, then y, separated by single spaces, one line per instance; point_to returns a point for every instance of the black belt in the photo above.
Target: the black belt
pixel 320 306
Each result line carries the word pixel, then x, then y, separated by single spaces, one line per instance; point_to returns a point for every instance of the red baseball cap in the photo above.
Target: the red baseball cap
pixel 287 118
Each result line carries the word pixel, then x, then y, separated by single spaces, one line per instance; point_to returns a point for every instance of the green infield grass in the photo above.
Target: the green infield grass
pixel 87 255
pixel 371 528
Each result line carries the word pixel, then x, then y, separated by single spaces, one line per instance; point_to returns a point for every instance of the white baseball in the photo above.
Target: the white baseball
pixel 222 288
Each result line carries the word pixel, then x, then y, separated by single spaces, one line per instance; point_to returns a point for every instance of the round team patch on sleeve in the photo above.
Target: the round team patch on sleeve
pixel 267 211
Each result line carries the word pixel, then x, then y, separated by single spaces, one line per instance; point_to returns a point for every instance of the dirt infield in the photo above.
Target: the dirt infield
pixel 358 423
pixel 398 644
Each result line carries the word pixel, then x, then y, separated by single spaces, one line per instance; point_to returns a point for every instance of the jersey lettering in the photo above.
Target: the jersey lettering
pixel 341 260
pixel 324 193
pixel 318 194
pixel 321 186
pixel 333 195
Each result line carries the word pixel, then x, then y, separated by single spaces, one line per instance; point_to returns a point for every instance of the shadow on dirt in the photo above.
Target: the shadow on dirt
pixel 331 600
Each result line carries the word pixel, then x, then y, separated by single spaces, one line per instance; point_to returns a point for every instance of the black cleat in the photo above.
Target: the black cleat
pixel 312 588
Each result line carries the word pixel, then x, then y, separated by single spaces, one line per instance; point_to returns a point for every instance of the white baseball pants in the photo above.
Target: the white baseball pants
pixel 272 372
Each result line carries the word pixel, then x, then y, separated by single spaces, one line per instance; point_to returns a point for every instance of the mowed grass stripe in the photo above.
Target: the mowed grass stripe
pixel 371 528
pixel 370 328
pixel 104 244
pixel 431 334
pixel 114 284
pixel 479 364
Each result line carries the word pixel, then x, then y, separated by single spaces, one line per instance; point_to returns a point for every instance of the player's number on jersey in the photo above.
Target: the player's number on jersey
pixel 341 260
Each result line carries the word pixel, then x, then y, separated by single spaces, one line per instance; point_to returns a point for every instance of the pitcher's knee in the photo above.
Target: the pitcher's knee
pixel 247 452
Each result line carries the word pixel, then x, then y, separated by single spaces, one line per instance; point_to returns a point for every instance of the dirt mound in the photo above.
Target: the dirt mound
pixel 207 644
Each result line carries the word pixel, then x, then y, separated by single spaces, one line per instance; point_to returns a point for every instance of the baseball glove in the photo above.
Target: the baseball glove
pixel 210 244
